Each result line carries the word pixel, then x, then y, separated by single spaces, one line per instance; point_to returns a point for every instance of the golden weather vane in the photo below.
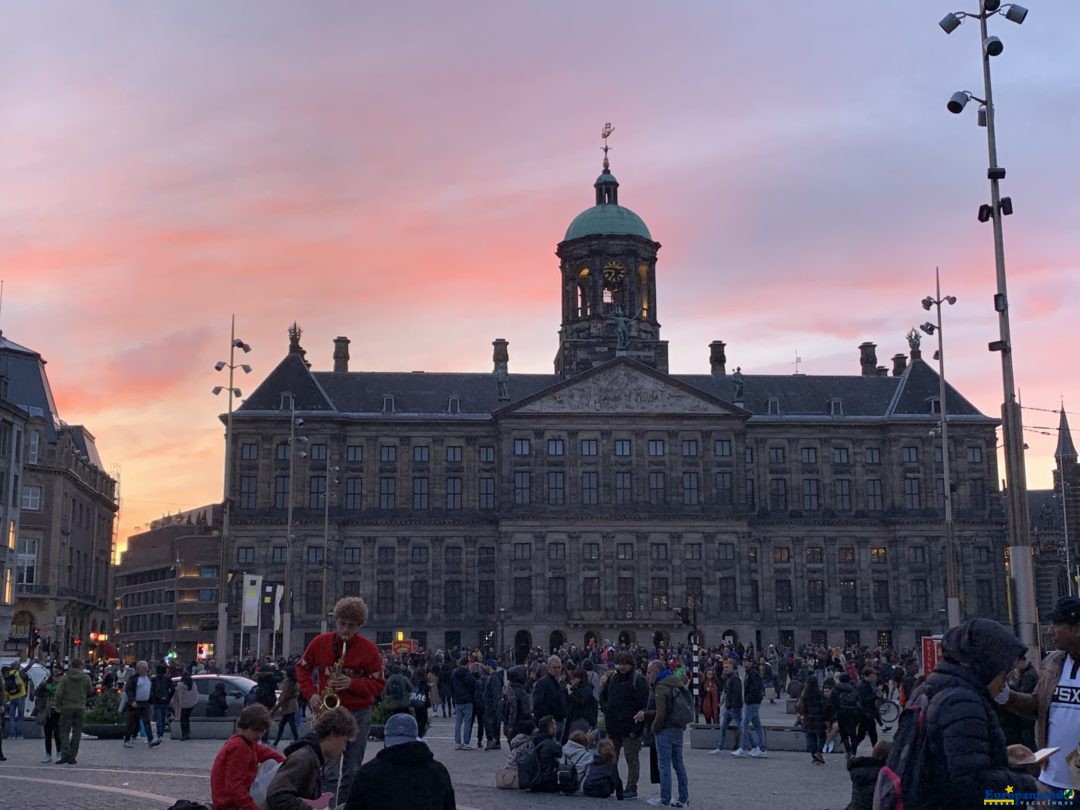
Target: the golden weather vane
pixel 606 133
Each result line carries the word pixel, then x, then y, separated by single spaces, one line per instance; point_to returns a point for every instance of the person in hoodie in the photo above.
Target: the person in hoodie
pixel 668 734
pixel 405 775
pixel 70 700
pixel 493 701
pixel 582 707
pixel 549 753
pixel 845 708
pixel 863 772
pixel 300 775
pixel 518 704
pixel 965 753
pixel 237 763
pixel 603 775
pixel 575 751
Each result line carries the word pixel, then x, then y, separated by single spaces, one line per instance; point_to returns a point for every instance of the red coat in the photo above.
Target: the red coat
pixel 235 767
pixel 363 665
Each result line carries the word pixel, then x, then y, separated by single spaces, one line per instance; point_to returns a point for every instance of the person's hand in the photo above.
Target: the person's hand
pixel 315 703
pixel 639 717
pixel 341 682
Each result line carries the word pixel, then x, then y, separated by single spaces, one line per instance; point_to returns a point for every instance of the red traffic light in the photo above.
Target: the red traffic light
pixel 77 641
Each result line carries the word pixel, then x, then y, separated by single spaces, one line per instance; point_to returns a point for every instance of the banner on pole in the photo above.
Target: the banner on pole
pixel 252 587
pixel 278 591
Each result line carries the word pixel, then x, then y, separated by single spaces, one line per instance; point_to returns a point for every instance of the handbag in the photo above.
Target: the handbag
pixel 268 769
pixel 506 778
pixel 418 700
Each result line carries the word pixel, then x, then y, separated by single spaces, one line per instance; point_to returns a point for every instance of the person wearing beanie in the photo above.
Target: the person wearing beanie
pixel 405 775
pixel 964 752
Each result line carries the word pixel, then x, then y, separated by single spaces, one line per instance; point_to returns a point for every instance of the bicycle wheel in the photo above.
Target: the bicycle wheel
pixel 888 711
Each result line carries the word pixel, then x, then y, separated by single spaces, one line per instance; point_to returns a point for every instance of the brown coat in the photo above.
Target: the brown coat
pixel 1037 705
pixel 288 700
pixel 299 777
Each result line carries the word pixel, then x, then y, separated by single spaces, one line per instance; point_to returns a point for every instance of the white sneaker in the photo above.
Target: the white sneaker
pixel 738 752
pixel 717 751
pixel 48 759
pixel 655 802
pixel 757 752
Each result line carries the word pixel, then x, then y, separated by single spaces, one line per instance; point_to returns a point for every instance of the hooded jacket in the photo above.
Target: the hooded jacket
pixel 864 773
pixel 402 777
pixel 74 690
pixel 732 692
pixel 621 697
pixel 299 776
pixel 233 771
pixel 579 756
pixel 664 696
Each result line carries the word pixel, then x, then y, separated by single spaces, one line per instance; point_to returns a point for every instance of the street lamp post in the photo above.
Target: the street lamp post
pixel 1012 425
pixel 952 584
pixel 286 614
pixel 221 644
pixel 331 471
pixel 1065 533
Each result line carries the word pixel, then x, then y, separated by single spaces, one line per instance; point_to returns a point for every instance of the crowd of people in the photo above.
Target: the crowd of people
pixel 567 717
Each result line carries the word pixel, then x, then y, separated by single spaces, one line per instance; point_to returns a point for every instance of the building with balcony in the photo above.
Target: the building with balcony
pixel 68 503
pixel 12 453
pixel 166 588
pixel 590 503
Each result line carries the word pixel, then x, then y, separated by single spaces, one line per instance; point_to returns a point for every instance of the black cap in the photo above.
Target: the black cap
pixel 1066 611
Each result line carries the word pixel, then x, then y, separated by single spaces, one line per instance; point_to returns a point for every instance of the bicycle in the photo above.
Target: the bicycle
pixel 888 710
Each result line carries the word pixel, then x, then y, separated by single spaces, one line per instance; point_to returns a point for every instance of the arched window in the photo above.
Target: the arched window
pixel 584 293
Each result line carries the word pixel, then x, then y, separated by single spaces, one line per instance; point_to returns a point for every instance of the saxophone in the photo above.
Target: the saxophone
pixel 330 699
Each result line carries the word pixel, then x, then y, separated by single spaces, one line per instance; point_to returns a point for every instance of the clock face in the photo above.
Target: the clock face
pixel 614 273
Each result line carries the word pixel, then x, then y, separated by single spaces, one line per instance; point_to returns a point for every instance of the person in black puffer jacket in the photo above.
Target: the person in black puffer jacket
pixel 964 748
pixel 864 773
pixel 549 695
pixel 404 775
pixel 811 707
pixel 548 752
pixel 602 777
pixel 845 707
pixel 581 705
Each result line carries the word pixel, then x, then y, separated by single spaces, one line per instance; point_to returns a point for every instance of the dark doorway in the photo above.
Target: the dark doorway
pixel 522 644
pixel 626 638
pixel 591 639
pixel 556 640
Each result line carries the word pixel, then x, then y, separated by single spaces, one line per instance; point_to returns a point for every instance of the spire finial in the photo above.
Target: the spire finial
pixel 606 133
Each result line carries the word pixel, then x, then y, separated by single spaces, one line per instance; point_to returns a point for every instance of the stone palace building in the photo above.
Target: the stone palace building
pixel 591 503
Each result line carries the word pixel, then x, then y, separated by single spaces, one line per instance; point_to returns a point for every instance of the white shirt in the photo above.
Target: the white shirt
pixel 1063 728
pixel 142 689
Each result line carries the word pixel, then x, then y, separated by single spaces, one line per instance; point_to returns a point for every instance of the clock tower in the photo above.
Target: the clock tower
pixel 608 265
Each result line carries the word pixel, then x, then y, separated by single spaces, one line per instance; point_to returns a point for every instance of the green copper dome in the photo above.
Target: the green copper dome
pixel 607 219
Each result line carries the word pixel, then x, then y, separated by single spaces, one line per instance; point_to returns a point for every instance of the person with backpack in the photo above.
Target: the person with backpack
pixel 480 677
pixel 15 684
pixel 949 749
pixel 623 696
pixel 517 704
pixel 398 693
pixel 863 772
pixel 602 778
pixel 539 770
pixel 575 752
pixel 753 694
pixel 845 708
pixel 674 711
pixel 161 694
pixel 494 700
pixel 811 708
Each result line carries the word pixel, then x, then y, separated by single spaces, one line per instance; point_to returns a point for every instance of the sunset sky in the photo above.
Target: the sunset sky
pixel 401 173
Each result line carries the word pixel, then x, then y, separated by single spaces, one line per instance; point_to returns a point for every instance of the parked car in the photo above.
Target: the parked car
pixel 237 688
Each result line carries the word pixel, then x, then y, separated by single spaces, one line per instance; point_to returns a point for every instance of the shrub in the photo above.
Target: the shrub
pixel 105 709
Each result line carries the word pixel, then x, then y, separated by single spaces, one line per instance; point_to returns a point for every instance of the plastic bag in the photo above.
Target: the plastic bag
pixel 267 770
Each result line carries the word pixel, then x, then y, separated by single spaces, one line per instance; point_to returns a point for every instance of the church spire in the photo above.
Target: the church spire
pixel 1066 450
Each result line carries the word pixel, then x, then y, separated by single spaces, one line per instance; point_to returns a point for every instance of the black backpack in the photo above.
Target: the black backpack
pixel 395 690
pixel 682 707
pixel 567 778
pixel 850 703
pixel 529 771
pixel 899 780
pixel 11 686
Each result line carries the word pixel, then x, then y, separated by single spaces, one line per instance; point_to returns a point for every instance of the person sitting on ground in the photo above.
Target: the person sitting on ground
pixel 540 770
pixel 300 776
pixel 576 752
pixel 863 772
pixel 602 778
pixel 404 761
pixel 237 763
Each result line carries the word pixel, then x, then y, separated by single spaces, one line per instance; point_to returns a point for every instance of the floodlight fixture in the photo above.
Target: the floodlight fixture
pixel 1015 13
pixel 219 365
pixel 986 212
pixel 929 328
pixel 950 299
pixel 299 422
pixel 993 46
pixel 217 389
pixel 927 303
pixel 950 22
pixel 246 368
pixel 1005 206
pixel 958 101
pixel 990 6
pixel 238 343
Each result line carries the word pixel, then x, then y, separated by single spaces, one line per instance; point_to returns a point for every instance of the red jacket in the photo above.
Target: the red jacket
pixel 235 768
pixel 363 665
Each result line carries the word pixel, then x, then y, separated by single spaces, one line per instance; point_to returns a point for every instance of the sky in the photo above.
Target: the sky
pixel 401 173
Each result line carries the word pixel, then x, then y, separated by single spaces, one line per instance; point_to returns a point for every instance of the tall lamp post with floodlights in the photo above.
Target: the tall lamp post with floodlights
pixel 1012 424
pixel 286 614
pixel 952 584
pixel 221 644
pixel 331 481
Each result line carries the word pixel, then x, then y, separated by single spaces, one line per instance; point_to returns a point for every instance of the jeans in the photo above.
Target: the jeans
pixel 631 748
pixel 71 725
pixel 290 720
pixel 728 716
pixel 161 713
pixel 815 742
pixel 751 722
pixel 669 750
pixel 16 708
pixel 350 761
pixel 462 723
pixel 51 731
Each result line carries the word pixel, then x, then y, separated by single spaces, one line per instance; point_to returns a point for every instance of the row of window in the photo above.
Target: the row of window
pixel 557 550
pixel 556 447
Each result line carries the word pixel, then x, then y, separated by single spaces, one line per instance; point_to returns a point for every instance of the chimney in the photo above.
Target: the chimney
pixel 868 358
pixel 500 358
pixel 882 371
pixel 341 355
pixel 899 363
pixel 717 358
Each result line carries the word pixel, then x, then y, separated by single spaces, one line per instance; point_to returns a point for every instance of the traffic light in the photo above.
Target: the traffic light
pixel 76 641
pixel 35 637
